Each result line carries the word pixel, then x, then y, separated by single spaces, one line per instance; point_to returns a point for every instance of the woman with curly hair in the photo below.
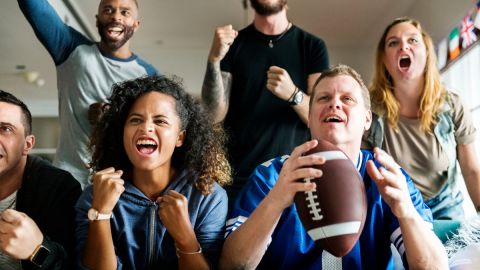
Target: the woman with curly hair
pixel 155 201
pixel 421 124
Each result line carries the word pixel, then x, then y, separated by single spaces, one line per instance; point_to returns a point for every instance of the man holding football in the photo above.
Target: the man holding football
pixel 264 230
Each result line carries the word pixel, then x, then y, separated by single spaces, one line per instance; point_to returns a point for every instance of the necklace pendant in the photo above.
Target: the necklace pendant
pixel 270 44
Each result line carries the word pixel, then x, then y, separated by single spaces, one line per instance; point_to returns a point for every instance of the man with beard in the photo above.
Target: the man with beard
pixel 258 82
pixel 86 70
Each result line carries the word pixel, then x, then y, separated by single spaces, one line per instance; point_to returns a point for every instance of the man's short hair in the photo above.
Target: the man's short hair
pixel 26 115
pixel 348 71
pixel 135 1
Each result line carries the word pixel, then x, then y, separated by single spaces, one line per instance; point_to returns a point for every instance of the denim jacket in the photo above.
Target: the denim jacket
pixel 447 203
pixel 140 239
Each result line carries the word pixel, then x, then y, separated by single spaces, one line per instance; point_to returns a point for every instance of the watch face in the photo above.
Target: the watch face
pixel 298 97
pixel 92 214
pixel 39 258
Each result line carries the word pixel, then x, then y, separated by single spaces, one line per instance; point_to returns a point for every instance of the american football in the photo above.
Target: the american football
pixel 334 213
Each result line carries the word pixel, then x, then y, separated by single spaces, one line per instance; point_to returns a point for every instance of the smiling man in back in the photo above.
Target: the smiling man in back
pixel 86 70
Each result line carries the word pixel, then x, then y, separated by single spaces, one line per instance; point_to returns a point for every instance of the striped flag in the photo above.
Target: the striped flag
pixel 453 44
pixel 467 33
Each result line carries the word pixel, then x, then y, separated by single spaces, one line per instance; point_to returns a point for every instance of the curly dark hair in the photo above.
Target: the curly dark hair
pixel 202 153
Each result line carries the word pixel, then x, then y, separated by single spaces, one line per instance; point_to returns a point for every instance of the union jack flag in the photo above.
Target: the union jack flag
pixel 467 32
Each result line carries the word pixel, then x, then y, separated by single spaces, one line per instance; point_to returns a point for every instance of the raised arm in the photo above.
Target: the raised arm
pixel 467 159
pixel 245 247
pixel 282 86
pixel 422 247
pixel 107 188
pixel 217 84
pixel 59 39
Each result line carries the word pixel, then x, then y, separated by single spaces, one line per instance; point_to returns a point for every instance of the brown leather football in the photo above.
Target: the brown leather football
pixel 334 213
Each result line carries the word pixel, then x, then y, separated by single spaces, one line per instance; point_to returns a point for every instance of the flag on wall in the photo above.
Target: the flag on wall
pixel 467 31
pixel 453 44
pixel 477 17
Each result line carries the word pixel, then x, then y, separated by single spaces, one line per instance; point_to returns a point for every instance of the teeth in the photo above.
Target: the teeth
pixel 405 57
pixel 146 142
pixel 330 118
pixel 116 29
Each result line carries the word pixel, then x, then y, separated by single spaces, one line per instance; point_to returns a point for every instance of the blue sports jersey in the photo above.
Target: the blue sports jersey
pixel 292 248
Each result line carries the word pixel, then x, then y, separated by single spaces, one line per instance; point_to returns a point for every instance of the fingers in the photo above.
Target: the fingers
pixel 12 216
pixel 222 40
pixel 172 197
pixel 386 160
pixel 303 148
pixel 107 188
pixel 226 34
pixel 276 70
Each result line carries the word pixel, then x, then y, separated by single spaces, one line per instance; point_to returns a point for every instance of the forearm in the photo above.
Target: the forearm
pixel 215 91
pixel 422 247
pixel 302 109
pixel 99 245
pixel 192 261
pixel 467 158
pixel 189 253
pixel 472 181
pixel 245 247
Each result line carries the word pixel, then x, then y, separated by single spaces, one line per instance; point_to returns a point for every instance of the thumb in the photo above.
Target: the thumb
pixel 12 216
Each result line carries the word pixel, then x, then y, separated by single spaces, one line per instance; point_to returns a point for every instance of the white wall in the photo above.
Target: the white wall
pixel 463 77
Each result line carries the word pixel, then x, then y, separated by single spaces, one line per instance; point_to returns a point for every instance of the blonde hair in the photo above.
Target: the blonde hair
pixel 384 102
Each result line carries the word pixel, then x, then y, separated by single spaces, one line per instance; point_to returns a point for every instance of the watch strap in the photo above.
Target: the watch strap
pixel 102 216
pixel 40 254
pixel 292 97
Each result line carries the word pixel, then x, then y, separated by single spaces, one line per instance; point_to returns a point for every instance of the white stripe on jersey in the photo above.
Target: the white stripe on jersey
pixel 330 262
pixel 233 224
pixel 397 240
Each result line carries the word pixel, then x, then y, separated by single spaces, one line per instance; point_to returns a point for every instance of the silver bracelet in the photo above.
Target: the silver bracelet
pixel 181 252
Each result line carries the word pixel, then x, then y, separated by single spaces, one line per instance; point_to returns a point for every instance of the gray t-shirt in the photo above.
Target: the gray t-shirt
pixel 420 154
pixel 84 76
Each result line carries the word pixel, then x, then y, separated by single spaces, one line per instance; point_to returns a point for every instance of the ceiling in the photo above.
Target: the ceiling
pixel 175 35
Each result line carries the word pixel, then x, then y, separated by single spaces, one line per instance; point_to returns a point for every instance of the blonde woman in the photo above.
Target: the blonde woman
pixel 419 122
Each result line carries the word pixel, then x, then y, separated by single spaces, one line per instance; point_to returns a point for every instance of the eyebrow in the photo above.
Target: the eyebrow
pixel 8 124
pixel 140 115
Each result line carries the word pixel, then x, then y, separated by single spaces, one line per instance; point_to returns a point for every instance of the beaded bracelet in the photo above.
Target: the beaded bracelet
pixel 181 252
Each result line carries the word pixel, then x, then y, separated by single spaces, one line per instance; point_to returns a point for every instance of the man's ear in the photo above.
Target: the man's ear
pixel 136 25
pixel 368 122
pixel 29 143
pixel 181 138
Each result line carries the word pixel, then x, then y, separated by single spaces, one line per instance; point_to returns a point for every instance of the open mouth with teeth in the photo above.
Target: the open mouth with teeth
pixel 115 31
pixel 405 62
pixel 146 146
pixel 333 119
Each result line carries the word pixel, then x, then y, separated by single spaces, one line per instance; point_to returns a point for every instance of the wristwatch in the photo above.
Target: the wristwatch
pixel 39 255
pixel 93 215
pixel 297 98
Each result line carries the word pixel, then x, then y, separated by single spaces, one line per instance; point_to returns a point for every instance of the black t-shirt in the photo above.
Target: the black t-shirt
pixel 260 125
